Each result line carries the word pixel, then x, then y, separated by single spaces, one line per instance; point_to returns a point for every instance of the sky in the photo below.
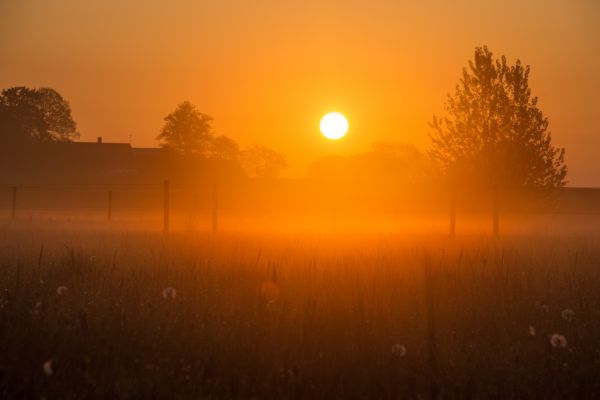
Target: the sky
pixel 268 70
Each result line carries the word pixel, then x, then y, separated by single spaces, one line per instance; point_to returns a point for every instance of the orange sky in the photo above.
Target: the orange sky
pixel 267 70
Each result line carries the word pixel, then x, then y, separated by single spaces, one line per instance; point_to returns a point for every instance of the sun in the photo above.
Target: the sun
pixel 334 126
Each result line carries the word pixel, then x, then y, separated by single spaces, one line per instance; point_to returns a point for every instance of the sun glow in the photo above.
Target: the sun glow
pixel 334 126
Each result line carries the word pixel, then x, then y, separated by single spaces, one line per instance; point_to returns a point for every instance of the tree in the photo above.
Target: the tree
pixel 187 131
pixel 262 162
pixel 387 163
pixel 411 162
pixel 495 131
pixel 224 148
pixel 35 115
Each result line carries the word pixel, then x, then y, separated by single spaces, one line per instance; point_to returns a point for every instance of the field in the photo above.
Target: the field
pixel 143 315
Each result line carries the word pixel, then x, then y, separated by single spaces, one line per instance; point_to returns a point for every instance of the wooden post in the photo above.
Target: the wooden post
pixel 14 202
pixel 166 207
pixel 215 209
pixel 109 216
pixel 453 211
pixel 496 217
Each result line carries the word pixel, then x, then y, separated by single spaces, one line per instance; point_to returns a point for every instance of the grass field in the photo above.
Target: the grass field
pixel 141 315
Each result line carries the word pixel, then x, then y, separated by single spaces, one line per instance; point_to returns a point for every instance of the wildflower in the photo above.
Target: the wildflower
pixel 398 350
pixel 557 340
pixel 567 314
pixel 531 331
pixel 169 293
pixel 61 289
pixel 47 367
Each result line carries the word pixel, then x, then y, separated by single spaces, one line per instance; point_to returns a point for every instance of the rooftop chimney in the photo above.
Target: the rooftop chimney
pixel 99 139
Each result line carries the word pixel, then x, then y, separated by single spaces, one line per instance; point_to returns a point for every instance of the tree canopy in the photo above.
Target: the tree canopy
pixel 387 163
pixel 494 131
pixel 225 148
pixel 262 162
pixel 187 131
pixel 35 115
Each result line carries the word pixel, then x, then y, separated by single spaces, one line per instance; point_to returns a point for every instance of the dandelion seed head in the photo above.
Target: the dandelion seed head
pixel 567 314
pixel 169 293
pixel 398 350
pixel 542 306
pixel 47 367
pixel 558 341
pixel 61 290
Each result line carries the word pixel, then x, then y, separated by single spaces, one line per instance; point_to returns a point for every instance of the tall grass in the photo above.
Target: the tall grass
pixel 266 316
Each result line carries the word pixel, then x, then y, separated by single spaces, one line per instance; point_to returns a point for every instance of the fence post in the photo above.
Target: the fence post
pixel 215 209
pixel 496 218
pixel 14 202
pixel 166 207
pixel 109 216
pixel 453 211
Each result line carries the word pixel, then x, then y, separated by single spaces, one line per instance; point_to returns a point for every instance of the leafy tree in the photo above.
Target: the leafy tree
pixel 387 163
pixel 35 115
pixel 262 162
pixel 187 131
pixel 411 162
pixel 494 130
pixel 224 148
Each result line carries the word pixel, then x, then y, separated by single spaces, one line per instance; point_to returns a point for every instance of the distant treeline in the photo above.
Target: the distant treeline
pixel 493 134
pixel 38 133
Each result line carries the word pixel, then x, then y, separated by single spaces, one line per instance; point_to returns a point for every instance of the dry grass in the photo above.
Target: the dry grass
pixel 267 316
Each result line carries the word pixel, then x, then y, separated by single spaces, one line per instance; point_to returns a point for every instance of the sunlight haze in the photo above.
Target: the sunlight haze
pixel 299 199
